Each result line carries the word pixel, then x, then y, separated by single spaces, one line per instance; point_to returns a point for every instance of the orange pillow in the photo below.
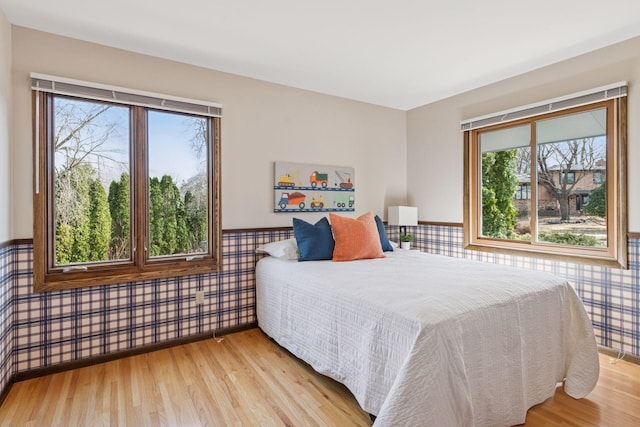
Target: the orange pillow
pixel 355 238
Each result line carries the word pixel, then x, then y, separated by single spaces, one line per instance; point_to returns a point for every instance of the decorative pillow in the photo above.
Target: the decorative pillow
pixel 315 242
pixel 283 249
pixel 355 238
pixel 384 240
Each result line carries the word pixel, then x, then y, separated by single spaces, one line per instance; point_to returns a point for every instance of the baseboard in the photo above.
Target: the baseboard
pixel 617 353
pixel 7 389
pixel 66 366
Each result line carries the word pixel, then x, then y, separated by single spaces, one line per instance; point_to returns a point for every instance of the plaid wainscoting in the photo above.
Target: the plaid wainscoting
pixel 6 316
pixel 611 296
pixel 44 329
pixel 38 330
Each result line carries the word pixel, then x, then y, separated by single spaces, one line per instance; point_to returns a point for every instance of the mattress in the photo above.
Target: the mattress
pixel 426 340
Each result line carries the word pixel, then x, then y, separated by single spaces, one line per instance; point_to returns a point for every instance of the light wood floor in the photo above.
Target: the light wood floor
pixel 247 380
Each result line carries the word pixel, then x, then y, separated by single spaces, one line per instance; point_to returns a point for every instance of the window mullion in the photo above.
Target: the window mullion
pixel 214 179
pixel 533 180
pixel 140 186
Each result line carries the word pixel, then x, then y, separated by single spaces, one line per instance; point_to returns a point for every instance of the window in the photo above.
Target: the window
pixel 124 191
pixel 598 177
pixel 523 192
pixel 550 184
pixel 568 177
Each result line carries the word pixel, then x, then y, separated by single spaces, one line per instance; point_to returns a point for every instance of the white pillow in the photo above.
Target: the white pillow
pixel 283 249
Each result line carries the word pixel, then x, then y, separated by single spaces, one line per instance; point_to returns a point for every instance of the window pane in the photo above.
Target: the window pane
pixel 505 191
pixel 178 190
pixel 572 161
pixel 91 182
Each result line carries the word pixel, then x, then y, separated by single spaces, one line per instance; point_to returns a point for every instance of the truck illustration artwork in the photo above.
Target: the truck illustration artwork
pixel 318 178
pixel 287 199
pixel 289 180
pixel 317 202
pixel 343 200
pixel 307 187
pixel 345 179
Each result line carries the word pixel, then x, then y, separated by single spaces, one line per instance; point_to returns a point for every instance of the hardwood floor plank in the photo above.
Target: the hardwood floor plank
pixel 246 379
pixel 615 401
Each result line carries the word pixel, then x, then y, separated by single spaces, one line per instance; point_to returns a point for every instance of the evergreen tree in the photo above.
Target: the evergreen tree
pixel 170 213
pixel 499 185
pixel 597 205
pixel 183 238
pixel 120 208
pixel 64 243
pixel 196 217
pixel 156 218
pixel 99 222
pixel 167 225
pixel 72 204
pixel 80 249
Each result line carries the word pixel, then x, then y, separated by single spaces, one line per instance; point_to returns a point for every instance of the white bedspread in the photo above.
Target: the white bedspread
pixel 427 340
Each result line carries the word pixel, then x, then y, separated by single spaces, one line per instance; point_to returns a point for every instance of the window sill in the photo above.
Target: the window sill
pixel 578 255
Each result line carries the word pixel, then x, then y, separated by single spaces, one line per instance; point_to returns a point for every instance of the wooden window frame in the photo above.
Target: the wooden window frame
pixel 141 267
pixel 615 254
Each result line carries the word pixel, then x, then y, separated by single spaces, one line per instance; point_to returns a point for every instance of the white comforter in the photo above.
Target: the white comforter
pixel 427 340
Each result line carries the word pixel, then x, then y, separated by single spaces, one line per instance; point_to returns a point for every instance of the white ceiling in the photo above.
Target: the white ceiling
pixel 396 53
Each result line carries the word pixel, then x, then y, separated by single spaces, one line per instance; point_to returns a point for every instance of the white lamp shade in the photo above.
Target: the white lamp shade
pixel 402 215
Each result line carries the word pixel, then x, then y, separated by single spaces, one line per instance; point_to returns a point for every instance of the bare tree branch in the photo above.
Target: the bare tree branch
pixel 83 131
pixel 81 137
pixel 578 156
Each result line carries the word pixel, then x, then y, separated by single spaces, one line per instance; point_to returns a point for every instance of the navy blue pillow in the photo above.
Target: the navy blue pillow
pixel 315 242
pixel 384 240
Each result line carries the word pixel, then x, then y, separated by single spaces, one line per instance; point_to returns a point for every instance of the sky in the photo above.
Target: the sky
pixel 170 134
pixel 170 146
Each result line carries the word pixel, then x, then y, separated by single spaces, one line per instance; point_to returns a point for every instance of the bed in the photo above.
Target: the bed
pixel 429 340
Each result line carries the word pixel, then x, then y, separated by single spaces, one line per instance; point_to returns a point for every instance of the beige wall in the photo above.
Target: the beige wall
pixel 262 123
pixel 417 155
pixel 6 232
pixel 435 144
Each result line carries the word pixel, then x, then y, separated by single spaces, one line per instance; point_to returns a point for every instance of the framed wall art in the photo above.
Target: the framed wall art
pixel 313 188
